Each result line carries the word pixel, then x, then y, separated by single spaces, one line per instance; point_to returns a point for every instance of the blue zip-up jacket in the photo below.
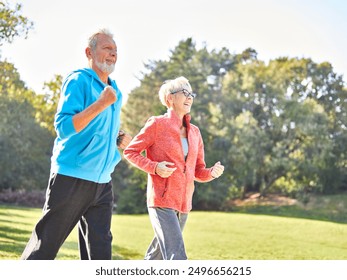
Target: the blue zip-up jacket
pixel 92 153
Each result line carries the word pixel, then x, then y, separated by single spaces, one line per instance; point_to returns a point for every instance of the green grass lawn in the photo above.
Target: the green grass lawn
pixel 208 235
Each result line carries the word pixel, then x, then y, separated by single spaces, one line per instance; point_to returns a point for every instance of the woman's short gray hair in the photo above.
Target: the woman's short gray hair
pixel 93 39
pixel 170 86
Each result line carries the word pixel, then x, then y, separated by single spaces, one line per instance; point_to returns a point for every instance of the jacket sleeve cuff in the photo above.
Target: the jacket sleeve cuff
pixel 153 167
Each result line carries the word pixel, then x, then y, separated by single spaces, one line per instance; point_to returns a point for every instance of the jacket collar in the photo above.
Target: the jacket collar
pixel 176 120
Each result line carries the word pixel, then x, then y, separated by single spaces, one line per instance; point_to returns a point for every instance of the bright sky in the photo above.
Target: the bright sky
pixel 148 29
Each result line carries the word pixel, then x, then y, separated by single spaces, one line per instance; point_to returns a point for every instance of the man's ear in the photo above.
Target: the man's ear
pixel 88 52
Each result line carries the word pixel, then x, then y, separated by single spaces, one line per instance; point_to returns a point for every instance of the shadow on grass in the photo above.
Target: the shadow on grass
pixel 3 221
pixel 13 240
pixel 118 253
pixel 11 248
pixel 122 253
pixel 12 244
pixel 15 234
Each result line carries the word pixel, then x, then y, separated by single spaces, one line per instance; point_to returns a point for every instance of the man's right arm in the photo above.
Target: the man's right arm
pixel 82 119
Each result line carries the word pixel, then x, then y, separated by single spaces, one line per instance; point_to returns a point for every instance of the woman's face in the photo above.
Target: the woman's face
pixel 182 101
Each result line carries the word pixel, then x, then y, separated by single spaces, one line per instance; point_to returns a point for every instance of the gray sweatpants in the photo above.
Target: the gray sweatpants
pixel 167 243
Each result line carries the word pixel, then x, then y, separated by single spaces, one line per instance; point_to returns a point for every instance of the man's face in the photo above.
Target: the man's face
pixel 104 56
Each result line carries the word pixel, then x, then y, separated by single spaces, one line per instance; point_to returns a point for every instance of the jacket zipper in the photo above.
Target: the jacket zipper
pixel 107 161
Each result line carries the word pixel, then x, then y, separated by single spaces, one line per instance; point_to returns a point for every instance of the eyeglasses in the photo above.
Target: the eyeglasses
pixel 185 92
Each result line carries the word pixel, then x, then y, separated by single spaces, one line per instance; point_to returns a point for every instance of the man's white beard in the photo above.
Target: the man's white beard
pixel 104 67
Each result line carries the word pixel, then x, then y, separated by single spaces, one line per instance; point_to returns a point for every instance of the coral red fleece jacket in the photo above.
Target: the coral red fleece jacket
pixel 160 139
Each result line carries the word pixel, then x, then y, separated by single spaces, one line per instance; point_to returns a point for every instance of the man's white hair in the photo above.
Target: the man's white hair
pixel 93 39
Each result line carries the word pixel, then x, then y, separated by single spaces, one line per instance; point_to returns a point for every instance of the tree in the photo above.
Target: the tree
pixel 12 23
pixel 46 104
pixel 297 123
pixel 25 146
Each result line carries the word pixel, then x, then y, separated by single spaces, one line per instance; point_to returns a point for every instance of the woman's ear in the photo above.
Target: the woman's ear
pixel 169 100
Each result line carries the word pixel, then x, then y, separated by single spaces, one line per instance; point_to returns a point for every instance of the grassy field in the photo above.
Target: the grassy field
pixel 291 233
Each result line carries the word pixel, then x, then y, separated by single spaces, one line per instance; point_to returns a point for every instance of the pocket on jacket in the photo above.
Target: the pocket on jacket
pixel 91 157
pixel 164 191
pixel 164 187
pixel 158 186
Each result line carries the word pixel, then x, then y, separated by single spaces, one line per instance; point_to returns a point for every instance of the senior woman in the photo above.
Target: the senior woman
pixel 174 159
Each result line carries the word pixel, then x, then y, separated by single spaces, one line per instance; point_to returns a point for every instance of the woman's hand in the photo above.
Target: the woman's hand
pixel 217 170
pixel 163 171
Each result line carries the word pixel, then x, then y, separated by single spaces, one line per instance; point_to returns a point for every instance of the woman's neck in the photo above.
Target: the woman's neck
pixel 180 116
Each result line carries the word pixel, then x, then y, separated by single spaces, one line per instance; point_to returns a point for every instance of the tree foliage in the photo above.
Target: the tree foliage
pixel 46 104
pixel 12 23
pixel 25 146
